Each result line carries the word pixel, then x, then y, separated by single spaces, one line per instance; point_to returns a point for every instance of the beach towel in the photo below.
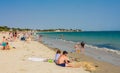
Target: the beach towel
pixel 41 59
pixel 37 59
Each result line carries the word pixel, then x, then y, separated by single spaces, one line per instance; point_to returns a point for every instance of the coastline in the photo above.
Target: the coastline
pixel 101 65
pixel 16 60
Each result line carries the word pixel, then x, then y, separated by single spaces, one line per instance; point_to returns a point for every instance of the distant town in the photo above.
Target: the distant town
pixel 6 28
pixel 60 30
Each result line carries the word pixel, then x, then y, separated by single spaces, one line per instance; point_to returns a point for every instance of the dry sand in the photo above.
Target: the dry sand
pixel 16 60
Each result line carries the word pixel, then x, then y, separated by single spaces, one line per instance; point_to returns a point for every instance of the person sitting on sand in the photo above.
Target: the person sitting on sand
pixel 63 60
pixel 58 54
pixel 7 46
pixel 23 38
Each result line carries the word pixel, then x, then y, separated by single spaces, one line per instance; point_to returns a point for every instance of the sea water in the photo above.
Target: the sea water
pixel 101 45
pixel 100 39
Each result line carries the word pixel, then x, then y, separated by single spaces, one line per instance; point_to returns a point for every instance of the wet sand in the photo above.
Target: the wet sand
pixel 97 57
pixel 16 60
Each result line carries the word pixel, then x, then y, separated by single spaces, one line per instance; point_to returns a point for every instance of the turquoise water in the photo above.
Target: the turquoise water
pixel 101 39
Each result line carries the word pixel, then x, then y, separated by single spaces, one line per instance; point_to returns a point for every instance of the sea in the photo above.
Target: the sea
pixel 101 45
pixel 100 39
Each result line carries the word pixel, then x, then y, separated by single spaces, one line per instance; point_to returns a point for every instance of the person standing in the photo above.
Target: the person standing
pixel 82 47
pixel 4 43
pixel 77 47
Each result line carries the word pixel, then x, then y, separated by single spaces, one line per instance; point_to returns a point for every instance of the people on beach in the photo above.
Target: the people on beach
pixel 58 54
pixel 26 36
pixel 4 43
pixel 40 38
pixel 77 47
pixel 15 35
pixel 10 36
pixel 63 60
pixel 82 47
pixel 23 37
pixel 7 46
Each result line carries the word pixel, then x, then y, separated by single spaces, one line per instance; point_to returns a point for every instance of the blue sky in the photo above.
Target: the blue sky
pixel 88 15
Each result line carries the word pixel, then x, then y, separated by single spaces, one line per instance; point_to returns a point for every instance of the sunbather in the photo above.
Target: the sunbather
pixel 58 54
pixel 63 60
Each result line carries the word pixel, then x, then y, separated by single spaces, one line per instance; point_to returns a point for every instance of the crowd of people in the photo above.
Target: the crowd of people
pixel 14 36
pixel 61 59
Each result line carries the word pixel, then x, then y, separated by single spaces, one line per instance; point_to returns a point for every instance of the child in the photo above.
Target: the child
pixel 7 46
pixel 77 47
pixel 3 43
pixel 58 53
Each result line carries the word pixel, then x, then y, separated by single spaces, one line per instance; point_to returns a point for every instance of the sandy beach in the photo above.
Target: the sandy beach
pixel 16 60
pixel 105 61
pixel 60 36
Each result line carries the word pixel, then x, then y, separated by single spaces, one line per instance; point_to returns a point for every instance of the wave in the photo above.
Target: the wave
pixel 105 49
pixel 96 47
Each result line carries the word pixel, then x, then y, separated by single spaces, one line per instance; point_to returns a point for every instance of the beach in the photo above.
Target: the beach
pixel 105 61
pixel 17 59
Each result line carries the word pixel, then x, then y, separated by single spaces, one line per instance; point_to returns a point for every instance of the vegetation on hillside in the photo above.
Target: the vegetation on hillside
pixel 5 28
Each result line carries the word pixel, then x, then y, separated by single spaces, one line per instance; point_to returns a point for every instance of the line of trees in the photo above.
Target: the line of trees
pixel 6 28
pixel 60 30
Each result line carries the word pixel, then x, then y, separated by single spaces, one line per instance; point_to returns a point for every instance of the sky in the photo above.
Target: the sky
pixel 88 15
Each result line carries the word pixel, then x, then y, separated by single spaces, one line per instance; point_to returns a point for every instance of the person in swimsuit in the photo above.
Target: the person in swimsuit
pixel 77 47
pixel 82 47
pixel 7 46
pixel 4 43
pixel 63 60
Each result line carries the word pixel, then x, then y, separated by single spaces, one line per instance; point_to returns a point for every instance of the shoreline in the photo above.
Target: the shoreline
pixel 18 57
pixel 101 66
pixel 17 60
pixel 99 54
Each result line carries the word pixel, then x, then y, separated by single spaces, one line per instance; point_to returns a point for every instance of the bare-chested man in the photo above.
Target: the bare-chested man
pixel 63 60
